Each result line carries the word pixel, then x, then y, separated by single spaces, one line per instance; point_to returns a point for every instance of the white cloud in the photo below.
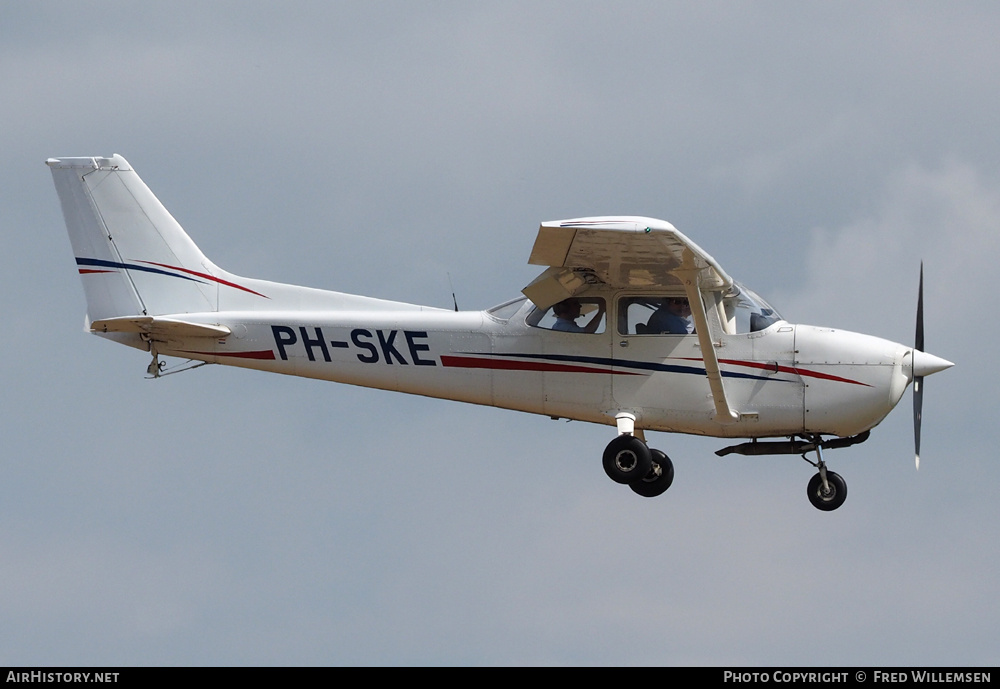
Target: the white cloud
pixel 864 276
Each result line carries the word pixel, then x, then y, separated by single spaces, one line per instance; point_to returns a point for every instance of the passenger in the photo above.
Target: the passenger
pixel 568 310
pixel 673 317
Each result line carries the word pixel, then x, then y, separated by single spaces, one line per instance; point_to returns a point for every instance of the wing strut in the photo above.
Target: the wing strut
pixel 724 414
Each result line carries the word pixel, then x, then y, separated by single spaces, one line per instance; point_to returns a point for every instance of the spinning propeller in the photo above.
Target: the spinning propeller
pixel 923 364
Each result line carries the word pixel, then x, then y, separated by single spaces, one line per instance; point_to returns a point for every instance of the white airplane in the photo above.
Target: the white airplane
pixel 631 324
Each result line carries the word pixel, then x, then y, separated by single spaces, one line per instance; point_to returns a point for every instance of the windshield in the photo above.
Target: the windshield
pixel 749 309
pixel 507 309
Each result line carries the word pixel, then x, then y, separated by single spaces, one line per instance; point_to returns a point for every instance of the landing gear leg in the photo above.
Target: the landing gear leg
pixel 155 367
pixel 826 490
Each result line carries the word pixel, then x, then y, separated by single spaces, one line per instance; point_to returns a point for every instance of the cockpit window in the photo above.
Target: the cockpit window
pixel 655 315
pixel 573 315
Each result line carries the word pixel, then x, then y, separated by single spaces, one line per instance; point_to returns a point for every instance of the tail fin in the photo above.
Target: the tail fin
pixel 133 257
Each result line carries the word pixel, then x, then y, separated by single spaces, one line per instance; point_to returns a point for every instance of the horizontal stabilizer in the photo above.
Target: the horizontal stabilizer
pixel 159 328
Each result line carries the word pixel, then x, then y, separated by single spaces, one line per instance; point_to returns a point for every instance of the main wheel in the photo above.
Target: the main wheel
pixel 659 478
pixel 627 459
pixel 830 500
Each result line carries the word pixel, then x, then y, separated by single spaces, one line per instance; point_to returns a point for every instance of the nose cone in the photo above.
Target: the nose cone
pixel 925 364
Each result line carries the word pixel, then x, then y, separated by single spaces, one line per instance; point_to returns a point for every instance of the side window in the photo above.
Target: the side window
pixel 573 315
pixel 654 315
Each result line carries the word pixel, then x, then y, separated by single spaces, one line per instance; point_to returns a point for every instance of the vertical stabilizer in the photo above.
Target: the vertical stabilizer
pixel 133 257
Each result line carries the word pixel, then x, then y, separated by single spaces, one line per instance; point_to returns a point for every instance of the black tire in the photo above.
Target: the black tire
pixel 627 459
pixel 659 478
pixel 828 501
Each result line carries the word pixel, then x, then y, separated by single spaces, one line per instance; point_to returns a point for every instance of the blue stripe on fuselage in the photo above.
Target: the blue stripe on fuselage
pixel 641 365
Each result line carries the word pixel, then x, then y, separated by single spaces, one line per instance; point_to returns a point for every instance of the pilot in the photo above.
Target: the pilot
pixel 568 310
pixel 673 317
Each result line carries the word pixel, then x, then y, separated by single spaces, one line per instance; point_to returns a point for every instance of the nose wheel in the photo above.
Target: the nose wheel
pixel 826 490
pixel 828 497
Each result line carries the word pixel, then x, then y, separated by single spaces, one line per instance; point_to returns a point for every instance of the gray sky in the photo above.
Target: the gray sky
pixel 818 151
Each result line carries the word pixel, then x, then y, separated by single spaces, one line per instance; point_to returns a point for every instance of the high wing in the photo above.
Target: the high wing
pixel 622 252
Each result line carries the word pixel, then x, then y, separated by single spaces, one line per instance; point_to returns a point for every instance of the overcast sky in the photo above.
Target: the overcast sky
pixel 818 151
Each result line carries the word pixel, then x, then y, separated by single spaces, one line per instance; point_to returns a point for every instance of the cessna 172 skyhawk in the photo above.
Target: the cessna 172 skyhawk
pixel 631 324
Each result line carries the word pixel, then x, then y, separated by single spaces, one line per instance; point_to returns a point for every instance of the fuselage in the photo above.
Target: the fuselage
pixel 782 380
pixel 608 341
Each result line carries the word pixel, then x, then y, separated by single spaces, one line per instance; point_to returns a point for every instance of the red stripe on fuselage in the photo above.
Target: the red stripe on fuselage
pixel 261 354
pixel 768 366
pixel 508 365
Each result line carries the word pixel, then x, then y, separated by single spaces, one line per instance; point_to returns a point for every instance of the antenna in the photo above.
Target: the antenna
pixel 453 299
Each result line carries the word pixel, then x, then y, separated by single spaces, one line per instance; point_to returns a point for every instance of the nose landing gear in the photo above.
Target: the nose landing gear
pixel 826 490
pixel 827 497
